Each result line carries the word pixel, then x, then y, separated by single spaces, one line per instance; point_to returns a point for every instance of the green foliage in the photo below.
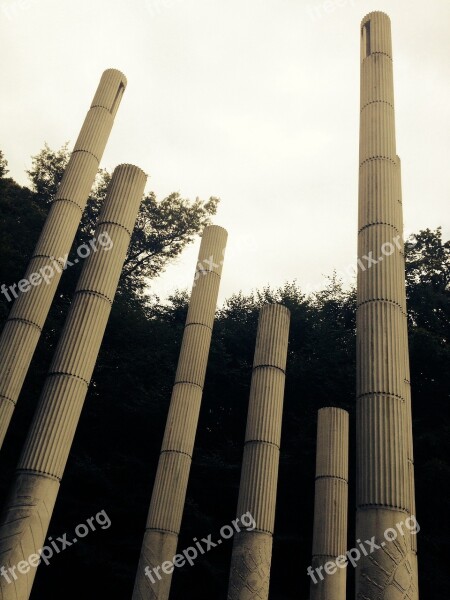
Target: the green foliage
pixel 115 452
pixel 163 227
pixel 428 282
pixel 47 170
pixel 3 165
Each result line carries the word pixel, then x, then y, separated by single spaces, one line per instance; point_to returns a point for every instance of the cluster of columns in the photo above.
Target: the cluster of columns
pixel 24 325
pixel 26 516
pixel 385 469
pixel 252 549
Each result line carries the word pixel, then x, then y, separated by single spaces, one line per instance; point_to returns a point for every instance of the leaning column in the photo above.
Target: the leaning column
pixel 252 550
pixel 169 490
pixel 25 520
pixel 328 575
pixel 29 312
pixel 383 492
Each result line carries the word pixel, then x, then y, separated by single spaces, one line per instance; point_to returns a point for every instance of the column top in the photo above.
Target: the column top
pixel 376 35
pixel 272 336
pixel 326 409
pixel 375 13
pixel 110 90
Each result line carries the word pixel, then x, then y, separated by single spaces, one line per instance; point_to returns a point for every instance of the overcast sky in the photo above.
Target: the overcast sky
pixel 254 101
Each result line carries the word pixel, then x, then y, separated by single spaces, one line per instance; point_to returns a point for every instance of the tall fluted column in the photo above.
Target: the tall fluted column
pixel 330 505
pixel 25 520
pixel 29 312
pixel 252 550
pixel 169 490
pixel 383 490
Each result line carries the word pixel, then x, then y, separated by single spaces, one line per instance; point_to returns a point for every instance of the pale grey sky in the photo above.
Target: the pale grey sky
pixel 254 101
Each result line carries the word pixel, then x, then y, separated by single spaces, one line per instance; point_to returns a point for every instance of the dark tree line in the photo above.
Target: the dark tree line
pixel 116 447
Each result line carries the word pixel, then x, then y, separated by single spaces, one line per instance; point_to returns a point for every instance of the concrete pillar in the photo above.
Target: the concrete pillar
pixel 25 520
pixel 383 491
pixel 29 312
pixel 169 490
pixel 330 506
pixel 252 550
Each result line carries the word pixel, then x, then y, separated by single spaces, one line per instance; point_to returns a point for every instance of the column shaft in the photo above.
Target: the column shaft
pixel 29 312
pixel 169 490
pixel 25 520
pixel 383 488
pixel 252 550
pixel 330 505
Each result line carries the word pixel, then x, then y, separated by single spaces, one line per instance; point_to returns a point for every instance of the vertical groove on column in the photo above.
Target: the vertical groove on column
pixel 169 490
pixel 332 443
pixel 252 550
pixel 379 368
pixel 384 491
pixel 381 442
pixel 331 500
pixel 258 488
pixel 49 440
pixel 377 177
pixel 30 310
pixel 265 416
pixel 163 515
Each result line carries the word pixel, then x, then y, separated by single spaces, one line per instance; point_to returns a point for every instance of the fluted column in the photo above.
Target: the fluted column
pixel 252 550
pixel 29 312
pixel 25 520
pixel 383 490
pixel 330 505
pixel 169 490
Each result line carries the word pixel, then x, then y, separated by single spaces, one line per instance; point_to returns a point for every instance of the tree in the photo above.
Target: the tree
pixel 163 227
pixel 116 447
pixel 47 170
pixel 427 260
pixel 3 165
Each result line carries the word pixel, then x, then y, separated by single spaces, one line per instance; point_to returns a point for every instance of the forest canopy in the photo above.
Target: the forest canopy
pixel 114 456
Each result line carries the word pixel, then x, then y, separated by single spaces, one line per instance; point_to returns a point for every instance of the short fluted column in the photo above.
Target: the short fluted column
pixel 252 550
pixel 330 506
